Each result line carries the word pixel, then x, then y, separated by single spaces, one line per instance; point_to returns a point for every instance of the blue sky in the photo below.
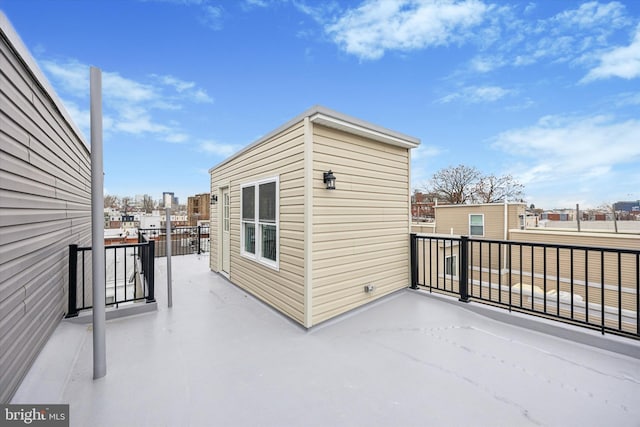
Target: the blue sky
pixel 548 91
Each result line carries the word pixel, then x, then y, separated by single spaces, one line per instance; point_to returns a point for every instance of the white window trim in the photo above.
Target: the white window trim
pixel 476 235
pixel 257 257
pixel 455 270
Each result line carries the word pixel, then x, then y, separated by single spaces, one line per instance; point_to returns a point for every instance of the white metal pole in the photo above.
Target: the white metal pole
pixel 168 241
pixel 97 227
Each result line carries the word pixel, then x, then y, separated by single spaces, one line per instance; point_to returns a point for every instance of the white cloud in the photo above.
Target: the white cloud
pixel 179 85
pixel 627 98
pixel 257 3
pixel 71 76
pixel 129 106
pixel 212 147
pixel 212 17
pixel 424 152
pixel 565 150
pixel 177 138
pixel 117 87
pixel 477 94
pixel 593 14
pixel 623 62
pixel 573 36
pixel 200 95
pixel 185 90
pixel 137 120
pixel 486 63
pixel 378 26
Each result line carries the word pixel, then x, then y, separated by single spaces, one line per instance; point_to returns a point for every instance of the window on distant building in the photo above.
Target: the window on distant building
pixel 451 266
pixel 476 225
pixel 260 221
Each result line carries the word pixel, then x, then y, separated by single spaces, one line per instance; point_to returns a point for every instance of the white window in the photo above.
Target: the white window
pixel 451 266
pixel 260 221
pixel 476 225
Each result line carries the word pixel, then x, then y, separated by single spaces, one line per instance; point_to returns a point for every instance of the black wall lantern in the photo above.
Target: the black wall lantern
pixel 214 198
pixel 329 180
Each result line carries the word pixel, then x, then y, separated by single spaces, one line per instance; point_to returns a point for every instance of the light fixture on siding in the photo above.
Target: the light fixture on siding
pixel 214 198
pixel 329 180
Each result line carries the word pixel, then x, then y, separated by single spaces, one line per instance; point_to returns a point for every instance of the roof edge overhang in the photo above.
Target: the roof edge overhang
pixel 479 205
pixel 333 119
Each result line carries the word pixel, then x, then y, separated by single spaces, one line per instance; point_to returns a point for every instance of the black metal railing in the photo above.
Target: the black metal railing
pixel 129 275
pixel 184 240
pixel 589 286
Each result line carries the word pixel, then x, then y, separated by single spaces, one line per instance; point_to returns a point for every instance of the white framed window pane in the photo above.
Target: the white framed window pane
pixel 476 230
pixel 475 219
pixel 451 266
pixel 267 202
pixel 249 237
pixel 476 225
pixel 268 241
pixel 248 203
pixel 226 212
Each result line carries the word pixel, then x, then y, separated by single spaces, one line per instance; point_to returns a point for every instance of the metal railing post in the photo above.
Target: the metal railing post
pixel 149 272
pixel 413 244
pixel 464 269
pixel 72 309
pixel 199 240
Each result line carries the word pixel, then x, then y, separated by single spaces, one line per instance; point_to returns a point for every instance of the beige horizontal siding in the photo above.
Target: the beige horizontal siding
pixel 456 217
pixel 281 155
pixel 361 229
pixel 45 205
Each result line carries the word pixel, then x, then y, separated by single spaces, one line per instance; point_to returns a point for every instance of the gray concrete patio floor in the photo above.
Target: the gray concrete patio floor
pixel 219 357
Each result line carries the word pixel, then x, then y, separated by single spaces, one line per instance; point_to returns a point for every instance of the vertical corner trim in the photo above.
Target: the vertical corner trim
pixel 308 222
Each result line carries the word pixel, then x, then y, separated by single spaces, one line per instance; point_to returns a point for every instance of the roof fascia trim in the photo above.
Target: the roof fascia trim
pixel 367 131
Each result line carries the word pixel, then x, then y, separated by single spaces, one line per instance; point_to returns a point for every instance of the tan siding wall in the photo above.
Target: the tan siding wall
pixel 628 274
pixel 423 228
pixel 361 229
pixel 456 217
pixel 45 205
pixel 281 155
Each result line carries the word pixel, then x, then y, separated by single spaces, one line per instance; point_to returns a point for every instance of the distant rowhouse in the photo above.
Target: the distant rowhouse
pixel 280 231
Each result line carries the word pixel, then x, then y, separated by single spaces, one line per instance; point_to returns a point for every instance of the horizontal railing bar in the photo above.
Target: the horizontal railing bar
pixel 536 244
pixel 123 245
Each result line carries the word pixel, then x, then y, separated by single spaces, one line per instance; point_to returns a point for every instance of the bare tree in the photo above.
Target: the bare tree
pixel 455 184
pixel 492 189
pixel 111 201
pixel 466 184
pixel 126 203
pixel 147 203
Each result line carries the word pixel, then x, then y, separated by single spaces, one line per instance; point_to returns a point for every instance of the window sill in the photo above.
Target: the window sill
pixel 267 263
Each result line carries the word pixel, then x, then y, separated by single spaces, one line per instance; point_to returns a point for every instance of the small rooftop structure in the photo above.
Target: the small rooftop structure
pixel 314 217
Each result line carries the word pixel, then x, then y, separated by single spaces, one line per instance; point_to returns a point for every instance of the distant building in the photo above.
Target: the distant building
pixel 422 207
pixel 558 215
pixel 627 206
pixel 153 220
pixel 167 200
pixel 198 208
